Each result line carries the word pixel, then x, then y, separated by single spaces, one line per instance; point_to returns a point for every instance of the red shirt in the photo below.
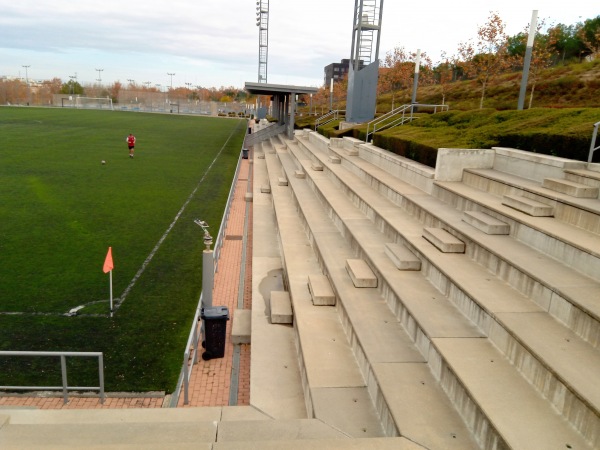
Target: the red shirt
pixel 130 140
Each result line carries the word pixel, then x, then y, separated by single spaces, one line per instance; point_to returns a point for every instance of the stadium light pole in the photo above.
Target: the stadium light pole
pixel 73 78
pixel 99 79
pixel 27 82
pixel 171 75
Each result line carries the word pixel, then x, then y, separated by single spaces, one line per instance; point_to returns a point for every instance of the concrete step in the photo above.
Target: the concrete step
pixel 265 188
pixel 587 177
pixel 361 274
pixel 396 443
pixel 571 188
pixel 317 167
pixel 443 240
pixel 326 358
pixel 277 430
pixel 486 223
pixel 282 181
pixel 77 435
pixel 378 336
pixel 334 159
pixel 300 174
pixel 495 305
pixel 528 206
pixel 501 400
pixel 320 290
pixel 275 379
pixel 402 257
pixel 281 307
pixel 241 326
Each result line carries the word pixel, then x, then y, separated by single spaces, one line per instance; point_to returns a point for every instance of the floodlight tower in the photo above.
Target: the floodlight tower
pixel 262 22
pixel 364 60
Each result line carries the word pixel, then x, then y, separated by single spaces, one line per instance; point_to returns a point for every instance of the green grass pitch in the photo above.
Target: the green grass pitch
pixel 61 209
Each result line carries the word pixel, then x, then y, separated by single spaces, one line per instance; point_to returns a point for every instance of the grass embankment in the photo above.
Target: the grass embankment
pixel 566 105
pixel 61 209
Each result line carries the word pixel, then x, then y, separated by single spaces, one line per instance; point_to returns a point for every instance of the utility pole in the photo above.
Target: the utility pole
pixel 527 62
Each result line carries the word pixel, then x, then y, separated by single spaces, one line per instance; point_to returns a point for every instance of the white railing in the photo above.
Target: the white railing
pixel 190 355
pixel 63 368
pixel 399 116
pixel 593 146
pixel 329 117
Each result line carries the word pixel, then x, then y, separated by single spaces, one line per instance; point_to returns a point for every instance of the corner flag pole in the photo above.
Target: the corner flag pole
pixel 108 267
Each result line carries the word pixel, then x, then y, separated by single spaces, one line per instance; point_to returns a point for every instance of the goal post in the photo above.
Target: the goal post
pixel 94 103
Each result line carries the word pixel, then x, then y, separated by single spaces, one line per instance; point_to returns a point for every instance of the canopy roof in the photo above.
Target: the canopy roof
pixel 274 89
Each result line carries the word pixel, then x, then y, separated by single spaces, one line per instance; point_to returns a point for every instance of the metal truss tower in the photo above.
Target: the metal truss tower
pixel 364 60
pixel 262 22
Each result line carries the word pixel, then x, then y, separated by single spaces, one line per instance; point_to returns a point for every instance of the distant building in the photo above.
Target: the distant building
pixel 338 71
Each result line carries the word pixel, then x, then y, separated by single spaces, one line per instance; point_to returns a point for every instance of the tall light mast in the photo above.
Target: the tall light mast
pixel 262 22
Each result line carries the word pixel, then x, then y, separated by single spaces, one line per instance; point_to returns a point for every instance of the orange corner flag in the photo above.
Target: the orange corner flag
pixel 108 262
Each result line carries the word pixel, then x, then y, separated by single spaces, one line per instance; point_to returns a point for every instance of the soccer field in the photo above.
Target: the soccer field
pixel 61 209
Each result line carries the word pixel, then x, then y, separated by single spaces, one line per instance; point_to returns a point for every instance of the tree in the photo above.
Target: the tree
pixel 488 56
pixel 564 40
pixel 72 87
pixel 398 70
pixel 589 34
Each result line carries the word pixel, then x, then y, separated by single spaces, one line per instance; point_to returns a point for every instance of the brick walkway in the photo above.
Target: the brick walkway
pixel 210 380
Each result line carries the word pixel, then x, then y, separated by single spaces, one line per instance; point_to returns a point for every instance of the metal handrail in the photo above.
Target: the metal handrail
pixel 63 368
pixel 406 113
pixel 329 117
pixel 593 146
pixel 264 134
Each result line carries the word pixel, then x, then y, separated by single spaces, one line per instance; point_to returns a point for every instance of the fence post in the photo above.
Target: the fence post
pixel 63 369
pixel 101 376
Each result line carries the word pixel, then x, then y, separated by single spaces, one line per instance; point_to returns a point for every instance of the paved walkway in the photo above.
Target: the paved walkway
pixel 210 380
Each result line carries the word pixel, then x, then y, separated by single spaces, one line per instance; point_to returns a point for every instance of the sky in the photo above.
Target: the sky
pixel 215 44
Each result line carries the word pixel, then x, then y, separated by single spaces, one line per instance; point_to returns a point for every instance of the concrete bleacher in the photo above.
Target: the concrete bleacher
pixel 523 309
pixel 453 307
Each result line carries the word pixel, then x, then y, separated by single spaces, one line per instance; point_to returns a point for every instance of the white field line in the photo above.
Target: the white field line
pixel 139 273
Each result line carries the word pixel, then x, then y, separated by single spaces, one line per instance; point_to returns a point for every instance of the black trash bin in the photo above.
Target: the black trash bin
pixel 215 331
pixel 244 153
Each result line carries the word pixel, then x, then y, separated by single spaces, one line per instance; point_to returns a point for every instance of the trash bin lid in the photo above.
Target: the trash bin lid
pixel 216 312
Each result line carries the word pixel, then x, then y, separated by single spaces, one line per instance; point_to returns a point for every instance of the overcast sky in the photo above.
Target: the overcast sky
pixel 215 43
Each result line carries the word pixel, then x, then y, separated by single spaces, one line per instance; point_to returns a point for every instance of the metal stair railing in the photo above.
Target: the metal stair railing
pixel 329 117
pixel 63 368
pixel 593 146
pixel 399 116
pixel 264 134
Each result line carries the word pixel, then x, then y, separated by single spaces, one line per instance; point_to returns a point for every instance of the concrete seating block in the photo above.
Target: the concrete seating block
pixel 261 156
pixel 571 188
pixel 402 257
pixel 241 326
pixel 281 307
pixel 282 181
pixel 316 167
pixel 485 222
pixel 321 291
pixel 334 159
pixel 351 151
pixel 361 274
pixel 248 197
pixel 528 206
pixel 444 241
pixel 265 189
pixel 300 174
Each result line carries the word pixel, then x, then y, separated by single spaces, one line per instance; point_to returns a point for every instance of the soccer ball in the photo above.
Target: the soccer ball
pixel 103 162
